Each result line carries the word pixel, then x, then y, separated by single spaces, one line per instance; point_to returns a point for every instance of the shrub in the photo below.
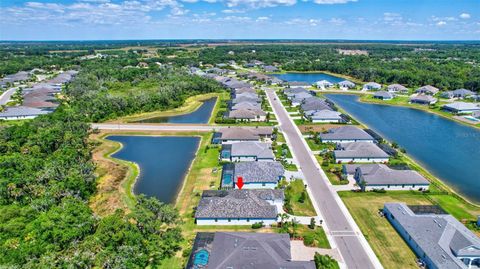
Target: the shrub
pixel 308 240
pixel 257 225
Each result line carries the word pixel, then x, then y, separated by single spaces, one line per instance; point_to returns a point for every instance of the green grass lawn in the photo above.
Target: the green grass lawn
pixel 333 177
pixel 318 234
pixel 294 191
pixel 279 151
pixel 389 247
pixel 280 137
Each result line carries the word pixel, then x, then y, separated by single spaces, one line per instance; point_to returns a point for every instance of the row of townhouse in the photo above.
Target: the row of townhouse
pixel 366 161
pixel 249 179
pixel 314 108
pixel 38 99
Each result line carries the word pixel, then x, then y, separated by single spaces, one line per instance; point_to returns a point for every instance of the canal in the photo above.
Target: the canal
pixel 200 115
pixel 163 160
pixel 308 77
pixel 449 150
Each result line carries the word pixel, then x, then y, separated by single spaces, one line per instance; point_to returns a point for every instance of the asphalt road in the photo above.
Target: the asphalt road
pixel 5 96
pixel 346 237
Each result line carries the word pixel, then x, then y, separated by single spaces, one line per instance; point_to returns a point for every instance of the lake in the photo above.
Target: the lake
pixel 308 77
pixel 201 115
pixel 449 150
pixel 163 160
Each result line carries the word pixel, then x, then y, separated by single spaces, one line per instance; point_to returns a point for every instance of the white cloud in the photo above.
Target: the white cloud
pixel 262 19
pixel 464 16
pixel 260 3
pixel 337 21
pixel 233 11
pixel 441 23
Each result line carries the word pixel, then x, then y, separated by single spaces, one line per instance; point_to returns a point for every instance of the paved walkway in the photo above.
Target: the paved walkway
pixel 353 247
pixel 302 253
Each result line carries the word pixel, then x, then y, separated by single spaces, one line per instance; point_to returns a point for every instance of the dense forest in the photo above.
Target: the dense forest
pixel 47 175
pixel 445 66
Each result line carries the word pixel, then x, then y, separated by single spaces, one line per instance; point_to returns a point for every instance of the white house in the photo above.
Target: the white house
pixel 239 207
pixel 437 238
pixel 371 86
pixel 323 84
pixel 346 84
pixel 461 107
pixel 254 175
pixel 381 177
pixel 325 116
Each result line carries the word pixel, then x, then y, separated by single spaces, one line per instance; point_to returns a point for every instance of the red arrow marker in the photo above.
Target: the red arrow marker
pixel 240 183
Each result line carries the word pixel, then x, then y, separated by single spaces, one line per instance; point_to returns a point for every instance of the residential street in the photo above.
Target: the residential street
pixel 5 96
pixel 339 224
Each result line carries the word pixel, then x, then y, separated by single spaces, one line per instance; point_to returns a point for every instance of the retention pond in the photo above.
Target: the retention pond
pixel 164 162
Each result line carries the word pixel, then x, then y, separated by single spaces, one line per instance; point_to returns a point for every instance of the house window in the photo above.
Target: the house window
pixel 248 220
pixel 263 184
pixel 229 220
pixel 216 220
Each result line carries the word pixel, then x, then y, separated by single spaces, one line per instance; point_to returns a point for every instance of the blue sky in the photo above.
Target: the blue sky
pixel 240 19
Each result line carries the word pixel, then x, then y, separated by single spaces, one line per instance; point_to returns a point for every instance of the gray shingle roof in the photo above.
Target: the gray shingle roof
pixel 300 96
pixel 250 148
pixel 246 99
pixel 314 103
pixel 462 92
pixel 428 89
pixel 23 111
pixel 346 133
pixel 253 250
pixel 441 237
pixel 458 106
pixel 326 114
pixel 380 174
pixel 360 150
pixel 238 204
pixel 383 95
pixel 397 88
pixel 243 113
pixel 350 169
pixel 292 91
pixel 346 83
pixel 246 105
pixel 372 85
pixel 423 98
pixel 244 133
pixel 263 172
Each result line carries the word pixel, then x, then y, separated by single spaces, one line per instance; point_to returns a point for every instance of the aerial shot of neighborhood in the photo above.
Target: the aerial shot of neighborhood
pixel 234 134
